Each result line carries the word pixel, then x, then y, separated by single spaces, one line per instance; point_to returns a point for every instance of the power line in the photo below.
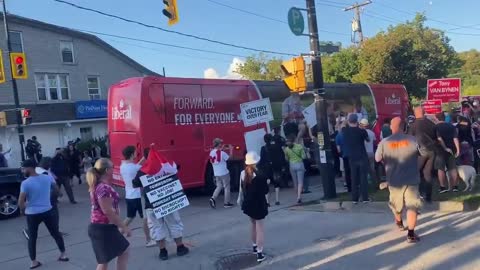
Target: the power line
pixel 472 26
pixel 396 21
pixel 380 18
pixel 428 18
pixel 171 31
pixel 463 34
pixel 178 54
pixel 268 18
pixel 374 14
pixel 329 5
pixel 341 4
pixel 159 43
pixel 247 12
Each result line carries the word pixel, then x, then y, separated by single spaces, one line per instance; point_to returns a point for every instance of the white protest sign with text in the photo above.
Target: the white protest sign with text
pixel 256 112
pixel 165 193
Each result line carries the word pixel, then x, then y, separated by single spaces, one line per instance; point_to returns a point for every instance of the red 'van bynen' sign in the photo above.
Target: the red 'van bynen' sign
pixel 446 90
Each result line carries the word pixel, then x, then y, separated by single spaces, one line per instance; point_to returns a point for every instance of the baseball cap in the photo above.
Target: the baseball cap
pixel 364 122
pixel 353 118
pixel 29 163
pixel 217 142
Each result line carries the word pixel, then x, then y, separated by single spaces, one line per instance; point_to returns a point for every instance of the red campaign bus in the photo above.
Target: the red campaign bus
pixel 182 117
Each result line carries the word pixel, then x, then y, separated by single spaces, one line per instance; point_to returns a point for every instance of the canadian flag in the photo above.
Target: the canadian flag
pixel 157 164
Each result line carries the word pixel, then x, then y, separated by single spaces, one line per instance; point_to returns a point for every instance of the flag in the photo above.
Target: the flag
pixel 157 164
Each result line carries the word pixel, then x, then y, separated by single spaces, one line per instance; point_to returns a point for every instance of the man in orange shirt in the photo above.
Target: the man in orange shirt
pixel 399 153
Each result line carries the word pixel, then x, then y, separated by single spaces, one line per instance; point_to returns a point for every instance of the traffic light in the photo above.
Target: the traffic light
pixel 294 70
pixel 2 70
pixel 3 119
pixel 19 65
pixel 26 116
pixel 171 11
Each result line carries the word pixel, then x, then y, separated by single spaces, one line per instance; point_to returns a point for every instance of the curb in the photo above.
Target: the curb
pixel 443 206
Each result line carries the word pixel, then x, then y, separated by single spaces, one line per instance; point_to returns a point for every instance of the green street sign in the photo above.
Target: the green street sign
pixel 295 21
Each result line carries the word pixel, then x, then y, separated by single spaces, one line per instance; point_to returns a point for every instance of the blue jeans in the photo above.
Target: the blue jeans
pixel 359 170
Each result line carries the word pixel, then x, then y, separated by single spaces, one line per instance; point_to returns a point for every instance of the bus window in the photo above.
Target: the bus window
pixel 352 98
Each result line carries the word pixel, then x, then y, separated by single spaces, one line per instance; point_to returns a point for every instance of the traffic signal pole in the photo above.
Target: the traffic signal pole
pixel 21 136
pixel 325 161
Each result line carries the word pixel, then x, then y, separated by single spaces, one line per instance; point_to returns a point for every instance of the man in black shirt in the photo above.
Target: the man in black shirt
pixel 445 160
pixel 59 168
pixel 424 131
pixel 354 139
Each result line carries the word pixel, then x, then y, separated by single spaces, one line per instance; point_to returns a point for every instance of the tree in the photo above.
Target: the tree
pixel 469 71
pixel 409 54
pixel 261 67
pixel 342 66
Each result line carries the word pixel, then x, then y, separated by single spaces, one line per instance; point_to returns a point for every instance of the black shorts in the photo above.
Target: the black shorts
pixel 107 242
pixel 445 161
pixel 277 178
pixel 134 206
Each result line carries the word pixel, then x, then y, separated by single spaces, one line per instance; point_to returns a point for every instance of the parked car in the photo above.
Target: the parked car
pixel 10 179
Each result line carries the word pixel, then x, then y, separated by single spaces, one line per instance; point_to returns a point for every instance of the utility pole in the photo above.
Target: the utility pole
pixel 356 23
pixel 21 136
pixel 325 161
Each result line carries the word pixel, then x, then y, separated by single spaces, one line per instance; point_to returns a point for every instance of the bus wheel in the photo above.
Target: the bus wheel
pixel 209 186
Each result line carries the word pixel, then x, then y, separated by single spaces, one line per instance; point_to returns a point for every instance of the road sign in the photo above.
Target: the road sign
pixel 432 106
pixel 446 90
pixel 295 21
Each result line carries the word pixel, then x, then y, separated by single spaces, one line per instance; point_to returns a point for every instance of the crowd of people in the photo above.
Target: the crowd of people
pixel 408 155
pixel 41 190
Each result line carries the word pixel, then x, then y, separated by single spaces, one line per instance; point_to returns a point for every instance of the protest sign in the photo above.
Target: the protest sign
pixel 433 106
pixel 256 112
pixel 165 193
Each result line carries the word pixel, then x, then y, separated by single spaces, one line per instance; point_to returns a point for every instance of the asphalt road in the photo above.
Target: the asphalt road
pixel 296 238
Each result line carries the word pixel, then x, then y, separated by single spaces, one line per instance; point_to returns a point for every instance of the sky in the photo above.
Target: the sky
pixel 208 19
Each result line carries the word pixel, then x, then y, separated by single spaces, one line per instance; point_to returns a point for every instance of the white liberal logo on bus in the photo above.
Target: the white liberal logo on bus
pixel 122 111
pixel 393 100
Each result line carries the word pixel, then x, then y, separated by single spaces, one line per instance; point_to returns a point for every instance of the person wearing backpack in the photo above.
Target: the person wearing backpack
pixel 295 154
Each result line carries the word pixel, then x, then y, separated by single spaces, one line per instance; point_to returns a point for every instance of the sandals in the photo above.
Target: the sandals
pixel 60 259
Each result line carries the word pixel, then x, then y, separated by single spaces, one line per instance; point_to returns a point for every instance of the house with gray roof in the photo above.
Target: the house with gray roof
pixel 67 87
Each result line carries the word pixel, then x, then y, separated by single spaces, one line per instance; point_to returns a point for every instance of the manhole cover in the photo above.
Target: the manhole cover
pixel 237 261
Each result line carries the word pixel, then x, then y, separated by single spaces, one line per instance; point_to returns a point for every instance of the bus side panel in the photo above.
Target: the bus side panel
pixel 226 104
pixel 120 140
pixel 181 137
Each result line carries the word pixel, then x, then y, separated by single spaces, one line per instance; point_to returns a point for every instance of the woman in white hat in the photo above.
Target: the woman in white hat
pixel 253 188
